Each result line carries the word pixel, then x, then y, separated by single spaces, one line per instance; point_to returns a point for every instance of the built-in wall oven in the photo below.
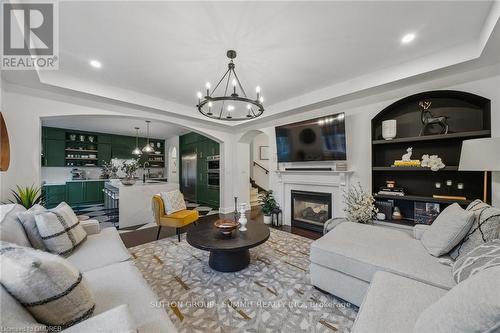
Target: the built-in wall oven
pixel 213 172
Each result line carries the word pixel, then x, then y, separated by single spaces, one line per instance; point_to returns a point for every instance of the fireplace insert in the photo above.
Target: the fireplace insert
pixel 310 210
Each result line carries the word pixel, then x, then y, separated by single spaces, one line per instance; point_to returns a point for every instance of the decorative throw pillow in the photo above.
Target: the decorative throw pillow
pixel 482 257
pixel 11 229
pixel 60 229
pixel 471 306
pixel 486 227
pixel 173 201
pixel 449 228
pixel 47 285
pixel 27 218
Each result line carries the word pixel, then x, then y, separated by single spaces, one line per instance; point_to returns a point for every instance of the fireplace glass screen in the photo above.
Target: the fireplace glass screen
pixel 311 209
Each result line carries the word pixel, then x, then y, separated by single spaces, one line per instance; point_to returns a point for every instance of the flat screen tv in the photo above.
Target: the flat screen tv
pixel 320 139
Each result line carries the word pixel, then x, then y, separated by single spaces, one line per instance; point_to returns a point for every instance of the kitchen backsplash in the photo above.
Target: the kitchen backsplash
pixel 62 174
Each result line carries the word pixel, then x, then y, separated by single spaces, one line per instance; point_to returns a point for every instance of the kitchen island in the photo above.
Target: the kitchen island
pixel 134 201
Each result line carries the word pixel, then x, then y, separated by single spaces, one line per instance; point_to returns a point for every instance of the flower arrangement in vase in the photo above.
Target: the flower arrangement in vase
pixel 129 168
pixel 360 205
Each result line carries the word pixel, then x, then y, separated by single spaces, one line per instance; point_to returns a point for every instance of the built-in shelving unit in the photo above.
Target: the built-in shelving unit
pixel 468 118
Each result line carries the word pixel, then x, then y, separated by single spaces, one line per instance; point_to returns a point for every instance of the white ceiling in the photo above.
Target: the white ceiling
pixel 159 54
pixel 115 125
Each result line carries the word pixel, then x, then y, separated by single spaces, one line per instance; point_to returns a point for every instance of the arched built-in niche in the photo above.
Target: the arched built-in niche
pixel 468 116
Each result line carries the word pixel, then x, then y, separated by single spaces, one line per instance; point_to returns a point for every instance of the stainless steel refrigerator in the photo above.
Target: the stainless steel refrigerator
pixel 189 171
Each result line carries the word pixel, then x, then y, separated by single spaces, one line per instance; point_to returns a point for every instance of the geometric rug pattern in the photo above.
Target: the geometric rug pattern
pixel 273 294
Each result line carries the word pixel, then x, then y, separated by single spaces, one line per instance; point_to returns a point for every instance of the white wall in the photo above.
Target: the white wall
pixel 23 108
pixel 259 175
pixel 172 159
pixel 359 113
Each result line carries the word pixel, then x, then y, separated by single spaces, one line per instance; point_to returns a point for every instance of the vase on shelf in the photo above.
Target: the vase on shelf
pixel 389 129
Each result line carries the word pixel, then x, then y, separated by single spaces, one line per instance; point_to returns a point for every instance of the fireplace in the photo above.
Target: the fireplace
pixel 310 210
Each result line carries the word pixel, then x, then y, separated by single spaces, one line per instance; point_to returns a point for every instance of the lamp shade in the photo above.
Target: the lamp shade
pixel 480 155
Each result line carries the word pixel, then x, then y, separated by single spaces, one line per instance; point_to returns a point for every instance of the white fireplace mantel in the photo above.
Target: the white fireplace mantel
pixel 334 182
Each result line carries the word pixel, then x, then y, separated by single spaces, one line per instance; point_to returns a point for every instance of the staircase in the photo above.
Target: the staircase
pixel 255 190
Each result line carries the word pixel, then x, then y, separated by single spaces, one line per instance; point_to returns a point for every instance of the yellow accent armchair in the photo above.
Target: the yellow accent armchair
pixel 175 220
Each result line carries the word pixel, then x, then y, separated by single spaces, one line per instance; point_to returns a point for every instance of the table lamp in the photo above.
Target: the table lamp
pixel 481 155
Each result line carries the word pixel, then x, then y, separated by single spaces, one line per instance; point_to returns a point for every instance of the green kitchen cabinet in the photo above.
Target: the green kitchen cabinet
pixel 53 133
pixel 84 192
pixel 75 192
pixel 54 194
pixel 54 153
pixel 104 138
pixel 104 153
pixel 93 191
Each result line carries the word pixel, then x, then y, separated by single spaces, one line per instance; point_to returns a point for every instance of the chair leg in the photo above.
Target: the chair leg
pixel 158 234
pixel 178 231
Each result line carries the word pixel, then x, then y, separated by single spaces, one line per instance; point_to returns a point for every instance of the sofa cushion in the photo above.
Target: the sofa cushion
pixel 360 250
pixel 122 283
pixel 11 229
pixel 471 306
pixel 47 285
pixel 60 229
pixel 173 201
pixel 482 257
pixel 449 228
pixel 393 304
pixel 116 320
pixel 99 250
pixel 13 316
pixel 486 227
pixel 27 219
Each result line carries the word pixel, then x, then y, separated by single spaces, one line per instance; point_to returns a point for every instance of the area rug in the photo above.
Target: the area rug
pixel 273 294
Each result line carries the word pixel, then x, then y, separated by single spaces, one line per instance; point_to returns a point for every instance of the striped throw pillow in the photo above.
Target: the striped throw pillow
pixel 482 257
pixel 60 229
pixel 47 285
pixel 486 227
pixel 27 219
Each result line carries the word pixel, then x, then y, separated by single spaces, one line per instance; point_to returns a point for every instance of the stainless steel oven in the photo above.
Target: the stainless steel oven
pixel 213 163
pixel 213 180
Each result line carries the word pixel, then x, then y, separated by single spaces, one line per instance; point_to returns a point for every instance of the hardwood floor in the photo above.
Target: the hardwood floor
pixel 138 237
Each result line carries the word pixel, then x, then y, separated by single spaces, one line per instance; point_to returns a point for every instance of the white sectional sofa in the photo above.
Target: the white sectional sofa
pixel 394 280
pixel 345 260
pixel 115 282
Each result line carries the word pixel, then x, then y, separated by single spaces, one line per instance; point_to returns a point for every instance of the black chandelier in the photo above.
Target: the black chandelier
pixel 235 106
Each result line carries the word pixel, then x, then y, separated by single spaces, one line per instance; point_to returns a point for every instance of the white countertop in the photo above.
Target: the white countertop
pixel 73 181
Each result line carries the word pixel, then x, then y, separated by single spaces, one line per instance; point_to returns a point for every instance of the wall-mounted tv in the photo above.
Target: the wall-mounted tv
pixel 320 139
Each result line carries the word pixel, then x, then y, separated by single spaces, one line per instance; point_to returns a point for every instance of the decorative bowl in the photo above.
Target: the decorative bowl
pixel 226 227
pixel 128 181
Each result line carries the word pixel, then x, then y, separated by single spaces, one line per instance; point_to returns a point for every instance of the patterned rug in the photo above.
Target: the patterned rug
pixel 109 217
pixel 273 294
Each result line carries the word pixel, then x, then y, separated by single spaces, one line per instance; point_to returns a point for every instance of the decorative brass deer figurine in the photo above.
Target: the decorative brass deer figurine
pixel 428 119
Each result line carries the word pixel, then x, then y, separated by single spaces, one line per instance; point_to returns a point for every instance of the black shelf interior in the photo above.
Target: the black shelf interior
pixel 469 117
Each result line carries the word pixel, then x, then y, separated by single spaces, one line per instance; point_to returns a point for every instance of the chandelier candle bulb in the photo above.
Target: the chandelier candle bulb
pixel 219 96
pixel 207 85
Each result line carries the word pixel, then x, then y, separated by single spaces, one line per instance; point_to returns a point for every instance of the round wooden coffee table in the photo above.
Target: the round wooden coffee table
pixel 227 253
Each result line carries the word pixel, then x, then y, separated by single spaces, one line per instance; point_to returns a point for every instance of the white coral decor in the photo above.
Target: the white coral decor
pixel 359 205
pixel 434 162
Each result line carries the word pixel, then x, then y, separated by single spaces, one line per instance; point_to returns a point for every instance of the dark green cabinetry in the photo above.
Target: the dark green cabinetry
pixel 203 147
pixel 74 193
pixel 61 147
pixel 53 152
pixel 54 195
pixel 84 192
pixel 104 153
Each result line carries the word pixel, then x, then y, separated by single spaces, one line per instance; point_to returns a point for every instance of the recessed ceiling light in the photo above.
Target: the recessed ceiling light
pixel 95 63
pixel 408 38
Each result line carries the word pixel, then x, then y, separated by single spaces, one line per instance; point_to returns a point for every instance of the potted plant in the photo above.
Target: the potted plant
pixel 268 204
pixel 27 196
pixel 108 170
pixel 129 168
pixel 359 205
